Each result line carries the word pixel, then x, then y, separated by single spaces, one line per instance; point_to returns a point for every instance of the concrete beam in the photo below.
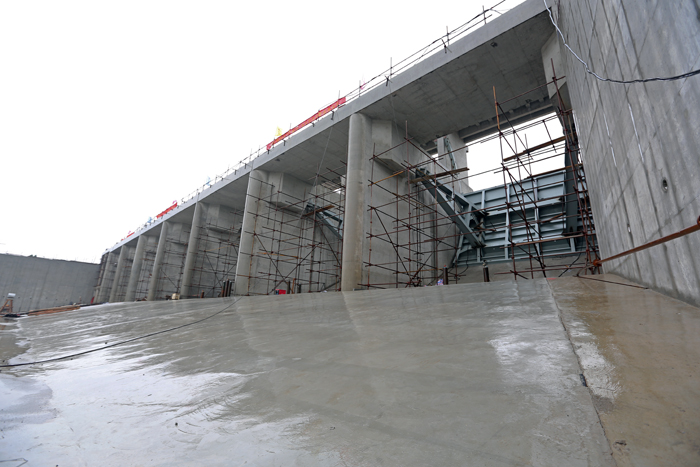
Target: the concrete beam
pixel 158 263
pixel 136 269
pixel 191 256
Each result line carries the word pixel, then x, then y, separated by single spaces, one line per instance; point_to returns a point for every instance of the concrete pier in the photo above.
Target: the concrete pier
pixel 158 263
pixel 107 279
pixel 247 243
pixel 191 256
pixel 123 253
pixel 136 268
pixel 359 151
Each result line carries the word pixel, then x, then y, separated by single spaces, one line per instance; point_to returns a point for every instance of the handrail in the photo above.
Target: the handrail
pixel 440 44
pixel 667 238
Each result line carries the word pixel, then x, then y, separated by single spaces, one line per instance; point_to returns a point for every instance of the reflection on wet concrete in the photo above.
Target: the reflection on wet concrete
pixel 640 354
pixel 475 374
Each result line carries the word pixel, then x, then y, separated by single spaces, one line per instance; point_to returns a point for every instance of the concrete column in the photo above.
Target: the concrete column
pixel 359 151
pixel 246 245
pixel 136 269
pixel 160 254
pixel 123 252
pixel 106 276
pixel 191 251
pixel 560 98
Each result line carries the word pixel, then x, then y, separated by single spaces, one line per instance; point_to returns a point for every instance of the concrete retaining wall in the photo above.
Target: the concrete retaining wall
pixel 639 141
pixel 42 283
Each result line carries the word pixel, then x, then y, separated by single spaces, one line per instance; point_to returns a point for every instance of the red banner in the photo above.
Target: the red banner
pixel 308 121
pixel 173 206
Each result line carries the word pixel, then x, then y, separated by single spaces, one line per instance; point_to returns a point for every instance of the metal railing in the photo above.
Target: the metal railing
pixel 440 44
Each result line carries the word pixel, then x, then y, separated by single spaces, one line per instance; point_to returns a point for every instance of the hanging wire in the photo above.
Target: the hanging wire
pixel 610 80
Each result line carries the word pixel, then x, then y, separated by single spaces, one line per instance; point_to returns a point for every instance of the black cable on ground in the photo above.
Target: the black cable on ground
pixel 122 342
pixel 611 282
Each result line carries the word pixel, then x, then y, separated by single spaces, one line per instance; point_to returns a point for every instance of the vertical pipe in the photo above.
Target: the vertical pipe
pixel 359 147
pixel 158 262
pixel 136 269
pixel 242 284
pixel 191 252
pixel 117 275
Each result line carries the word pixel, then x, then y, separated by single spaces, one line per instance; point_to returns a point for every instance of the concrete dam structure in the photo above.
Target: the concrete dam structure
pixel 566 334
pixel 371 191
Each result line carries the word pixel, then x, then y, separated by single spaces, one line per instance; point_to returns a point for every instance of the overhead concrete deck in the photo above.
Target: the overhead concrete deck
pixel 445 93
pixel 477 374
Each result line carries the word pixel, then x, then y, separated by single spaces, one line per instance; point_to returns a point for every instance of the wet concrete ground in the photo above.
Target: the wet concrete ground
pixel 475 374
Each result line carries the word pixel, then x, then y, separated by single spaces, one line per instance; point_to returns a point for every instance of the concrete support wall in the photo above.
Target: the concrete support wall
pixel 217 250
pixel 158 262
pixel 123 253
pixel 136 268
pixel 144 280
pixel 191 256
pixel 107 278
pixel 256 182
pixel 359 152
pixel 43 283
pixel 639 141
pixel 98 283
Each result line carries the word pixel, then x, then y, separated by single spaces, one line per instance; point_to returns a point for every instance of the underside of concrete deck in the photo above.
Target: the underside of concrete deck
pixel 475 374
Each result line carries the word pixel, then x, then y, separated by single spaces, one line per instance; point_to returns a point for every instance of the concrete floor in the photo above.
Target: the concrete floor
pixel 474 374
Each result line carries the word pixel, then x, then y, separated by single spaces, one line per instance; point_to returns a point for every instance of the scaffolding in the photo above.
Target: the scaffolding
pixel 123 280
pixel 517 169
pixel 149 258
pixel 215 268
pixel 171 269
pixel 432 224
pixel 297 244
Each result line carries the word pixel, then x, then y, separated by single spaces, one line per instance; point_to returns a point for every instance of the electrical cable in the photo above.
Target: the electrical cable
pixel 85 352
pixel 610 80
pixel 572 264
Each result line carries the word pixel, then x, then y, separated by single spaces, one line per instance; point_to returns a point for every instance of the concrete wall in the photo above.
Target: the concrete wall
pixel 149 255
pixel 217 250
pixel 42 283
pixel 639 141
pixel 170 276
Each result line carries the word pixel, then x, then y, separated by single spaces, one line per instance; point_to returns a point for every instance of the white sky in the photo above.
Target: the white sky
pixel 111 110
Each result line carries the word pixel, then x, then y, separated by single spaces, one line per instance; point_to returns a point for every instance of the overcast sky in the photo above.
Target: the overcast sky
pixel 109 111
